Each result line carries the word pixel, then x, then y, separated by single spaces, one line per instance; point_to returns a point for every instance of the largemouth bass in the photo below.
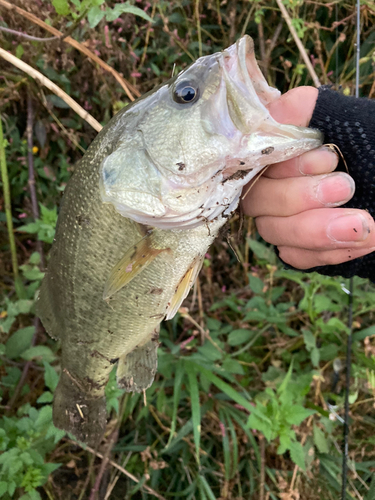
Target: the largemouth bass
pixel 140 212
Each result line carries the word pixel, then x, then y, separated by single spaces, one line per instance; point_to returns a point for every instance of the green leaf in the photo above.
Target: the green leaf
pixel 226 388
pixel 44 417
pixel 256 284
pixel 262 251
pixel 61 7
pixel 19 51
pixel 315 356
pixel 255 316
pixel 282 387
pixel 31 495
pixel 309 339
pixel 39 351
pixel 233 366
pixel 362 334
pixel 94 16
pixel 297 454
pixel 50 376
pixel 320 440
pixel 24 306
pixel 297 414
pixel 371 492
pixel 254 422
pixel 19 342
pixel 56 101
pixel 240 336
pixel 3 487
pixel 209 351
pixel 32 274
pixel 35 258
pixel 126 8
pixel 31 228
pixel 46 397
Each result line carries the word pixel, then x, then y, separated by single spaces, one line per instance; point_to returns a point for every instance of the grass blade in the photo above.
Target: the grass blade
pixel 226 388
pixel 195 406
pixel 206 487
pixel 176 398
pixel 226 446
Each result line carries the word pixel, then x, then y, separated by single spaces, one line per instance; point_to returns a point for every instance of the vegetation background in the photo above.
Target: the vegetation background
pixel 248 399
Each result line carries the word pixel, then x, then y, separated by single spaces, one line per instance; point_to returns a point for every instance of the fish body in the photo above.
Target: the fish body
pixel 140 212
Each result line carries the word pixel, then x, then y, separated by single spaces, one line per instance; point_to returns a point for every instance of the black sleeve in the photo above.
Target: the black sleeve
pixel 349 123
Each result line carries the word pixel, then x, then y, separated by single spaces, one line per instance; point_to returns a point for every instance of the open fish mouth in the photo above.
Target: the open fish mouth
pixel 215 136
pixel 248 94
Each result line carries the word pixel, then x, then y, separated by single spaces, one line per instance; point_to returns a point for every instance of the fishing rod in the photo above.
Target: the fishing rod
pixel 345 454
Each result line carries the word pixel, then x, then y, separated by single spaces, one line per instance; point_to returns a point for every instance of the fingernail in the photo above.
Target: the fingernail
pixel 332 154
pixel 335 189
pixel 323 156
pixel 348 228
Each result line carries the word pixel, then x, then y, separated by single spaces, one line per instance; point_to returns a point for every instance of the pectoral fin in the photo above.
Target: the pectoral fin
pixel 137 258
pixel 136 370
pixel 184 286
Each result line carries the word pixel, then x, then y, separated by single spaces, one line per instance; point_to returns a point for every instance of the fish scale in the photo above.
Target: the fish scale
pixel 138 216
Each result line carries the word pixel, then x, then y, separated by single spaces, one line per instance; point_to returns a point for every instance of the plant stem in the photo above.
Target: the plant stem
pixel 30 161
pixel 8 212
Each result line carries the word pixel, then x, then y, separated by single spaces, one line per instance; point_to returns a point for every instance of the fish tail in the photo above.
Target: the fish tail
pixel 76 412
pixel 136 370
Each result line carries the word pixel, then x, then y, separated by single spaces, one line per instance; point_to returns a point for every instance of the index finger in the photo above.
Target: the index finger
pixel 318 161
pixel 296 108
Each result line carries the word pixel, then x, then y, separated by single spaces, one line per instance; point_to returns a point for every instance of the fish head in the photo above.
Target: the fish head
pixel 187 149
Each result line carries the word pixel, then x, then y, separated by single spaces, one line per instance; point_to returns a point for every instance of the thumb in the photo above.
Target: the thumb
pixel 295 107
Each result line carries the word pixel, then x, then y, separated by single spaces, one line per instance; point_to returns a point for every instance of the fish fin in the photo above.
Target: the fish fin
pixel 136 370
pixel 74 412
pixel 45 310
pixel 137 258
pixel 183 288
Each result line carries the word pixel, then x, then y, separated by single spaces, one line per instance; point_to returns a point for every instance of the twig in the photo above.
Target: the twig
pixel 301 48
pixel 142 61
pixel 198 27
pixel 64 130
pixel 170 33
pixel 87 480
pixel 103 465
pixel 30 161
pixel 262 46
pixel 8 209
pixel 271 46
pixel 121 469
pixel 28 37
pixel 247 20
pixel 51 86
pixel 262 479
pixel 128 88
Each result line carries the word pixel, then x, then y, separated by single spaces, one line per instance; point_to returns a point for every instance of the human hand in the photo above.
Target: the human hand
pixel 293 201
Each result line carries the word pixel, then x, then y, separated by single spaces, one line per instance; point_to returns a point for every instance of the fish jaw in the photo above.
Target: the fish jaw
pixel 195 170
pixel 264 140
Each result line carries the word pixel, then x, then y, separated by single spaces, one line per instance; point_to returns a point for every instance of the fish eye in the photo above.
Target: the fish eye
pixel 185 92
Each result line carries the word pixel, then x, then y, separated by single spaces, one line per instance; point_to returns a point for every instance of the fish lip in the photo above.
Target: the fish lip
pixel 245 82
pixel 240 69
